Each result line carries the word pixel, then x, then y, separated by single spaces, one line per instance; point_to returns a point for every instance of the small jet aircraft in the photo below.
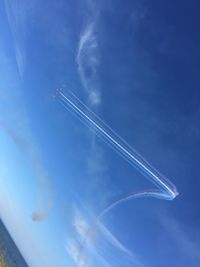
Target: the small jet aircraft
pixel 57 92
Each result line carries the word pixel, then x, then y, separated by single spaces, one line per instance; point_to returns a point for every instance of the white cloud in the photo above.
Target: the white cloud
pixel 92 243
pixel 87 60
pixel 73 249
pixel 81 226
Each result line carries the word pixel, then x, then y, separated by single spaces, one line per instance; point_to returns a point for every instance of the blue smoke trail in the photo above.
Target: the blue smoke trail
pixel 166 190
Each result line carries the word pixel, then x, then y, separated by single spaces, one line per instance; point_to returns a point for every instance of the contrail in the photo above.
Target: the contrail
pixel 166 190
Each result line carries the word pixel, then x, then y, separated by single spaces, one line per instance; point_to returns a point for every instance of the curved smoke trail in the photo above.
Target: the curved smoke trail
pixel 166 190
pixel 139 194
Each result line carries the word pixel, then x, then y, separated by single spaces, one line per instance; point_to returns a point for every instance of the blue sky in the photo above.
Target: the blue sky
pixel 136 65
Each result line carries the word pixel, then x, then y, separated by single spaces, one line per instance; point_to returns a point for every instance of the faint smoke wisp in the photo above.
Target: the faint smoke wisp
pixel 44 196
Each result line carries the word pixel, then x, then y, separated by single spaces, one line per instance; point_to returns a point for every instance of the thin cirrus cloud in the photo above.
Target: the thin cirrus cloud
pixel 18 15
pixel 81 247
pixel 92 242
pixel 87 60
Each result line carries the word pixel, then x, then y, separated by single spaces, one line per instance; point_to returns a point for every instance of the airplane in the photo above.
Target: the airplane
pixel 57 92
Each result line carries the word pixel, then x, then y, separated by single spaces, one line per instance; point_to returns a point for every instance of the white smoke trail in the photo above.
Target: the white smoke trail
pixel 134 195
pixel 167 189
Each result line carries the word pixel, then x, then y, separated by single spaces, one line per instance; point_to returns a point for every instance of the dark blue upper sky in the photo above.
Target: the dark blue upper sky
pixel 135 64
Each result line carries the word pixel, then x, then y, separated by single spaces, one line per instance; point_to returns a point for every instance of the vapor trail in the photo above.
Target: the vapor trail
pixel 166 190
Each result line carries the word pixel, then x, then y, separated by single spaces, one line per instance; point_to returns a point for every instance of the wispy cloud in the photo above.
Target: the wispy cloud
pixel 73 249
pixel 82 246
pixel 92 243
pixel 19 15
pixel 87 60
